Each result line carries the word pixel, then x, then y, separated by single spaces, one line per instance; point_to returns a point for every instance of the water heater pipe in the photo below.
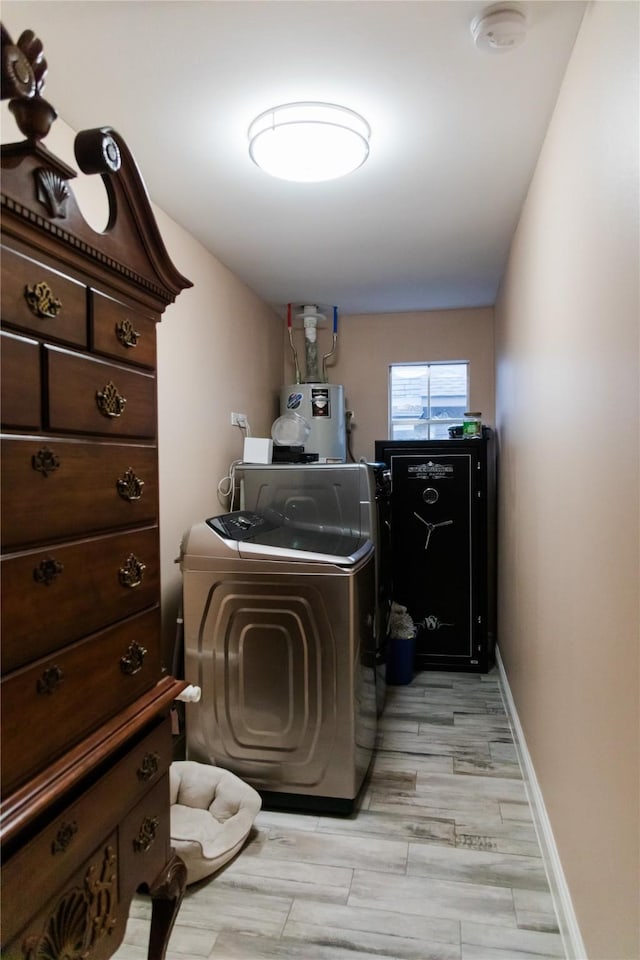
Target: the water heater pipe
pixel 293 349
pixel 333 348
pixel 310 320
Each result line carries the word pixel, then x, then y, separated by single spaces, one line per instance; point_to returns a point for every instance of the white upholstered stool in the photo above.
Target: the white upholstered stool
pixel 212 812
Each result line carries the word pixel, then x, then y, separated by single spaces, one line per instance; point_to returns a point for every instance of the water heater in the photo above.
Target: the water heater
pixel 312 410
pixel 322 406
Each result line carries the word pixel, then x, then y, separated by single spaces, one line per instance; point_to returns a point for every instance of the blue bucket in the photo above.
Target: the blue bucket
pixel 400 656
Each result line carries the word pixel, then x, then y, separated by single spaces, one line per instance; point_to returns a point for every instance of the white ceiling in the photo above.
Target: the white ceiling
pixel 427 221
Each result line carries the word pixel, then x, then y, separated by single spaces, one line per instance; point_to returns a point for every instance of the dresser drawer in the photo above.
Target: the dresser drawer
pixel 144 839
pixel 54 489
pixel 120 332
pixel 54 597
pixel 49 706
pixel 42 300
pixel 21 401
pixel 83 918
pixel 55 853
pixel 92 396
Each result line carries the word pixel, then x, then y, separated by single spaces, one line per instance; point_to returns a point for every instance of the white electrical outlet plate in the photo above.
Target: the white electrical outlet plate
pixel 238 419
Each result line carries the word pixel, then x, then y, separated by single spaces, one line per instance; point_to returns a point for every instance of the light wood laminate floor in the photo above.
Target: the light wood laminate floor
pixel 440 862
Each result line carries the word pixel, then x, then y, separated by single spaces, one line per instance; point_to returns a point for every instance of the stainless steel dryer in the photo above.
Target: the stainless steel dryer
pixel 279 635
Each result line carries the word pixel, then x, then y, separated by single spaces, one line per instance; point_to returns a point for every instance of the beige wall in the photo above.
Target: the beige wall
pixel 368 344
pixel 568 419
pixel 199 381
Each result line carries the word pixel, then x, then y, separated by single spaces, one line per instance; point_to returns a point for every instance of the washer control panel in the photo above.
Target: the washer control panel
pixel 240 525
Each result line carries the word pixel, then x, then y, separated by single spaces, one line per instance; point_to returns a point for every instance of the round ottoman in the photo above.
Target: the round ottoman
pixel 212 812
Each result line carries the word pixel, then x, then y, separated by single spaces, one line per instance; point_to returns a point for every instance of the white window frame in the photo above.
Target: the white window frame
pixel 414 421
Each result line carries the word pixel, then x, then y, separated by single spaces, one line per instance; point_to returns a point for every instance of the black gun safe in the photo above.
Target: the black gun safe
pixel 443 546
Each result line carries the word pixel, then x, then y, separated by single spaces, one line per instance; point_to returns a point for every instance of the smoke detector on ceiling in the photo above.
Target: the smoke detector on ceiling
pixel 499 29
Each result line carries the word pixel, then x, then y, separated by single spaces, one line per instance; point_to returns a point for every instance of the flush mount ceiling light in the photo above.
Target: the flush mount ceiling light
pixel 309 142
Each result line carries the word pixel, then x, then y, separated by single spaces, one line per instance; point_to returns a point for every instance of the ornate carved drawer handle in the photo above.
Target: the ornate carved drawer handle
pixel 126 334
pixel 147 834
pixel 110 403
pixel 131 573
pixel 129 486
pixel 47 571
pixel 149 766
pixel 45 461
pixel 132 661
pixel 64 836
pixel 41 301
pixel 50 680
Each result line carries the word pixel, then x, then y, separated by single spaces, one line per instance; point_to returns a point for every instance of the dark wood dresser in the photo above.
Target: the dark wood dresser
pixel 86 740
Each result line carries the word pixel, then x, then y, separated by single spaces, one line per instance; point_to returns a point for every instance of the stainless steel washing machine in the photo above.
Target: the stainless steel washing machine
pixel 333 497
pixel 279 634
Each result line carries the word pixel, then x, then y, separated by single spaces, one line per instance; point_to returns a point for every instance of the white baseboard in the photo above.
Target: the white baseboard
pixel 567 921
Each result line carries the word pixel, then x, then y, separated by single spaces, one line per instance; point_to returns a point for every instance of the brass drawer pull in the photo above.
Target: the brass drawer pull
pixel 45 461
pixel 41 301
pixel 129 486
pixel 126 334
pixel 47 571
pixel 132 661
pixel 50 679
pixel 64 836
pixel 149 766
pixel 131 573
pixel 148 831
pixel 110 403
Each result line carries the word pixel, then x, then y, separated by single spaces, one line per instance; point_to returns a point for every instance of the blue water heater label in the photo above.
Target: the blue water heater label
pixel 293 401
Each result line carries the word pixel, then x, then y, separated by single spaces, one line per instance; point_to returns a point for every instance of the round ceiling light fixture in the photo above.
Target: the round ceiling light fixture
pixel 309 142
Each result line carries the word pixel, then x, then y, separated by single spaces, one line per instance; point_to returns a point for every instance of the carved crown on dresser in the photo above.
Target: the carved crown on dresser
pixel 86 742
